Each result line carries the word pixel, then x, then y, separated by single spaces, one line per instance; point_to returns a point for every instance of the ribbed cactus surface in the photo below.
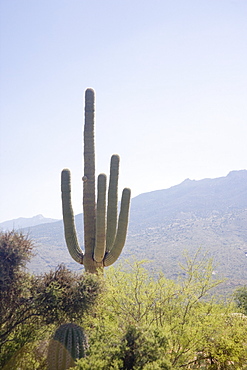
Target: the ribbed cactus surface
pixel 104 232
pixel 68 344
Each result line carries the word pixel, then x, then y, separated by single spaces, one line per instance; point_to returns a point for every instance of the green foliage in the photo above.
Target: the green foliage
pixel 136 348
pixel 226 348
pixel 32 353
pixel 149 322
pixel 30 306
pixel 241 298
pixel 62 295
pixel 15 283
pixel 68 344
pixel 15 251
pixel 139 348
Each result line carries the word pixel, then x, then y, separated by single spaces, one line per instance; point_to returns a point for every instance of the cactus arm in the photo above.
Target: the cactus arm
pixel 89 174
pixel 100 243
pixel 116 250
pixel 68 219
pixel 112 202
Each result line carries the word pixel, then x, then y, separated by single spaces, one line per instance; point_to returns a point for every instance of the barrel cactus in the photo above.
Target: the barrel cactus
pixel 68 345
pixel 104 235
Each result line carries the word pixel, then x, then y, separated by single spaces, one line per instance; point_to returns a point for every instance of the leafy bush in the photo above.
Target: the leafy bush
pixel 149 322
pixel 30 306
pixel 62 295
pixel 241 298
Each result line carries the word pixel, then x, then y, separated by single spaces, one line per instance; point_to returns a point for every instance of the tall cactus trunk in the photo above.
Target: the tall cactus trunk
pixel 104 237
pixel 89 216
pixel 89 182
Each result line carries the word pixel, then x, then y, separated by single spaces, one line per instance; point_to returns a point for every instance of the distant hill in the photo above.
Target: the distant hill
pixel 20 223
pixel 209 214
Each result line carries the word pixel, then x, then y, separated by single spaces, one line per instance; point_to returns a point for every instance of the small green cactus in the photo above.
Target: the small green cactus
pixel 104 237
pixel 68 344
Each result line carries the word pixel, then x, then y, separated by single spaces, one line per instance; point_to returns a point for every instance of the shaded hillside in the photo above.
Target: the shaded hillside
pixel 210 214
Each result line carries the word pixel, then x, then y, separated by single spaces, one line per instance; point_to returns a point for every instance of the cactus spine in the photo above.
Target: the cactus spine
pixel 104 237
pixel 68 344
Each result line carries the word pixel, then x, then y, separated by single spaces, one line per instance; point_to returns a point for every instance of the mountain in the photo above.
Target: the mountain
pixel 209 215
pixel 20 223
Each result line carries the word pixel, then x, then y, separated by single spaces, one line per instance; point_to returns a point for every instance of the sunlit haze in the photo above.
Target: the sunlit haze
pixel 170 79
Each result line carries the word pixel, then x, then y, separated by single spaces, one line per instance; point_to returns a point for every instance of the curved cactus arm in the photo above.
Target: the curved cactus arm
pixel 112 206
pixel 114 253
pixel 100 243
pixel 89 174
pixel 68 219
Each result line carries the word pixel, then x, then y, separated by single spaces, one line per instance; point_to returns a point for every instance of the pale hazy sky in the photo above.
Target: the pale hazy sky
pixel 171 94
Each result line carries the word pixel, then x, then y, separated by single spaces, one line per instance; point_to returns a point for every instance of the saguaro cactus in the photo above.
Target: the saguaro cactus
pixel 68 344
pixel 104 236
